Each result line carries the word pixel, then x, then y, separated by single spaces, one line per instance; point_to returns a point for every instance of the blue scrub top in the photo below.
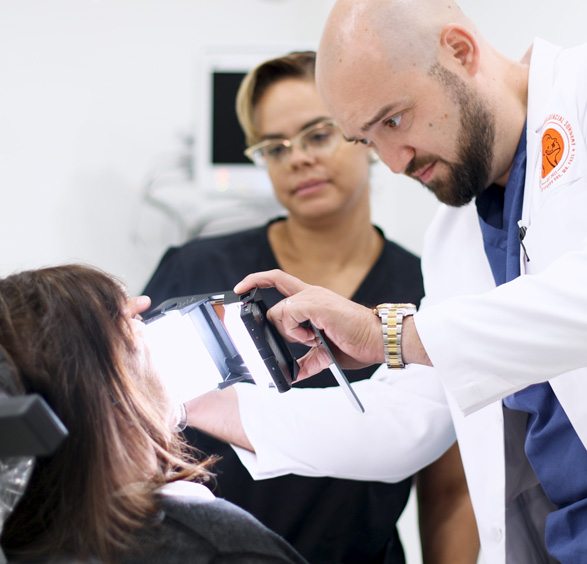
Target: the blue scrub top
pixel 552 446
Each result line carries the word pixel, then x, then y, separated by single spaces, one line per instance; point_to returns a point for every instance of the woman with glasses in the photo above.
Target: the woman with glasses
pixel 326 239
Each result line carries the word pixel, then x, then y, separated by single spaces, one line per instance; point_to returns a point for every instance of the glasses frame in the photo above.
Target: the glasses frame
pixel 288 143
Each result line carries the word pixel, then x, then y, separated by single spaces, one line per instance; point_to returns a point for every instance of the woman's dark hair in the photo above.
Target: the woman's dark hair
pixel 67 334
pixel 298 64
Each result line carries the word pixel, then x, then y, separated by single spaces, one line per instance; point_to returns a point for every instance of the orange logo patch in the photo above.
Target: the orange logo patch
pixel 553 148
pixel 558 150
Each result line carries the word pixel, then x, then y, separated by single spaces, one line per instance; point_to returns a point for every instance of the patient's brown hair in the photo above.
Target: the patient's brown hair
pixel 65 330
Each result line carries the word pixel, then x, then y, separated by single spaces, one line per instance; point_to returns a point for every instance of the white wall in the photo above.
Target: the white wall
pixel 95 94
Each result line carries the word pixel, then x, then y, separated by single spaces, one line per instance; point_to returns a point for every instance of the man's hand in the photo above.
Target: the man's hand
pixel 137 305
pixel 353 331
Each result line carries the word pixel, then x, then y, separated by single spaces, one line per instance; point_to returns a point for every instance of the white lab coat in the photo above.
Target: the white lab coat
pixel 317 432
pixel 485 343
pixel 530 330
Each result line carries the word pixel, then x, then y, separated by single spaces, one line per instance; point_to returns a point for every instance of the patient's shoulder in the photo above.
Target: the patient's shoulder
pixel 197 527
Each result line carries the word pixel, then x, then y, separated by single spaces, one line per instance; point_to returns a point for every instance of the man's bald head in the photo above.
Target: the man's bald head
pixel 402 34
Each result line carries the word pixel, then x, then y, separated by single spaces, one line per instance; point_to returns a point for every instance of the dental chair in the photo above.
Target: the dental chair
pixel 28 428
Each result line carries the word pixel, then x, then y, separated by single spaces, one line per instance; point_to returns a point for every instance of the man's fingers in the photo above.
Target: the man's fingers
pixel 136 305
pixel 313 362
pixel 290 321
pixel 285 283
pixel 299 334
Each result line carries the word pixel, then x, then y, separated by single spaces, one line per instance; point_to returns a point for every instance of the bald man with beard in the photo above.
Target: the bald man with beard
pixel 418 93
pixel 505 260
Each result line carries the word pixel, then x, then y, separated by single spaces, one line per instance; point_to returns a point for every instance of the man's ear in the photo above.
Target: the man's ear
pixel 459 47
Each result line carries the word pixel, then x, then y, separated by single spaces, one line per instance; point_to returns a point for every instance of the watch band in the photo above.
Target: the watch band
pixel 392 317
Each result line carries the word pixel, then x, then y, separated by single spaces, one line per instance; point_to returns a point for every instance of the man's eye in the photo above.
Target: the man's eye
pixel 393 121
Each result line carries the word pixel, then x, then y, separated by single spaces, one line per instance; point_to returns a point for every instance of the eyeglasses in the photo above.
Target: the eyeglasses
pixel 319 139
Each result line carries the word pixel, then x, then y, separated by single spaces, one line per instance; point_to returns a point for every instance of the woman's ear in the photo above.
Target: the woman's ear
pixel 460 47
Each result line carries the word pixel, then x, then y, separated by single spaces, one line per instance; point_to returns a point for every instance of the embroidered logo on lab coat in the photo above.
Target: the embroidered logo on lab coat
pixel 558 149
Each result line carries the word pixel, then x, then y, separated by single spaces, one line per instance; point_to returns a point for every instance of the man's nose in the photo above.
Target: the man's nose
pixel 397 158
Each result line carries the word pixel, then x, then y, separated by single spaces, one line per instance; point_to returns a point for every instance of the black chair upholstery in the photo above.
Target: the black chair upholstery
pixel 28 428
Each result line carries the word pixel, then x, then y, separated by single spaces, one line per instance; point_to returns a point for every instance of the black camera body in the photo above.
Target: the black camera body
pixel 274 351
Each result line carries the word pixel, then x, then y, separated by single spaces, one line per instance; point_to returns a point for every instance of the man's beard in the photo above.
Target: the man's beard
pixel 469 176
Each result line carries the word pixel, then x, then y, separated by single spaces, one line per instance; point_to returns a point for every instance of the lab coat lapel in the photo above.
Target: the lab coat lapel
pixel 539 87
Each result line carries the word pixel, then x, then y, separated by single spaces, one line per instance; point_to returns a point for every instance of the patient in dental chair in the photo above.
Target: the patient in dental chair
pixel 123 487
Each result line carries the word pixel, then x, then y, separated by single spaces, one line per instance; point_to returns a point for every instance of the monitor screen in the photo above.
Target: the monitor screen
pixel 228 140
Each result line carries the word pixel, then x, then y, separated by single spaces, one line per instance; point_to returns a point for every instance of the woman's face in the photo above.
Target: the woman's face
pixel 144 369
pixel 308 186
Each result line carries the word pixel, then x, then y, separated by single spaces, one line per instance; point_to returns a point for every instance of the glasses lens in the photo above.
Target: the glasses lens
pixel 257 156
pixel 275 151
pixel 323 137
pixel 268 152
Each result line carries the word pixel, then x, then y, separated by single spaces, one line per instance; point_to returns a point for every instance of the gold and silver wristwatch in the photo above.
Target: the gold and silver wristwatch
pixel 392 317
